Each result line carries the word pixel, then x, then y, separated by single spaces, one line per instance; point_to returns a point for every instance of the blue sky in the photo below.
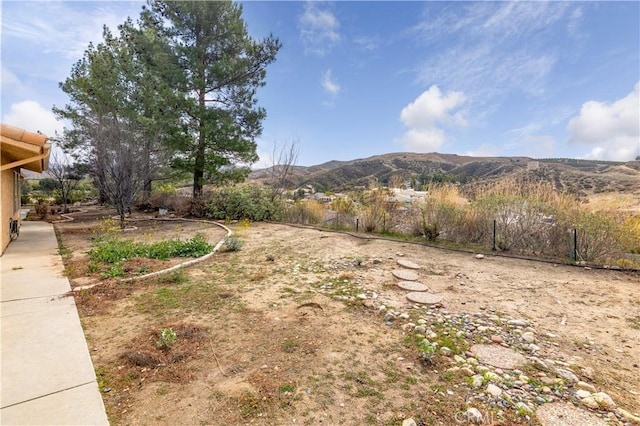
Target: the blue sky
pixel 355 79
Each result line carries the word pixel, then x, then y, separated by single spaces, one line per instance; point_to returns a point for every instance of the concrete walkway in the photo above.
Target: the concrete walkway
pixel 47 374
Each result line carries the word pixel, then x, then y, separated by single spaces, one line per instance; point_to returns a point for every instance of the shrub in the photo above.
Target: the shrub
pixel 167 338
pixel 233 243
pixel 243 202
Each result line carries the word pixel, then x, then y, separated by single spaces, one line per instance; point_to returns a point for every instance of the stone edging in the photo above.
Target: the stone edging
pixel 175 267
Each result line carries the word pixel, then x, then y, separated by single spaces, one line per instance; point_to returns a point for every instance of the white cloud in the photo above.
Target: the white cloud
pixel 329 84
pixel 63 28
pixel 319 29
pixel 426 116
pixel 31 116
pixel 484 150
pixel 613 129
pixel 368 43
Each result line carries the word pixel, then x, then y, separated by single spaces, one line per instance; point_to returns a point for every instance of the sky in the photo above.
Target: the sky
pixel 356 79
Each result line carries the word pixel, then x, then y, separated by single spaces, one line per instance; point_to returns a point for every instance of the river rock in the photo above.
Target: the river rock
pixel 493 390
pixel 604 400
pixel 585 386
pixel 567 375
pixel 581 393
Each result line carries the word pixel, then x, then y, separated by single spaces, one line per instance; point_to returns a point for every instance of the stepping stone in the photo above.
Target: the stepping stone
pixel 407 264
pixel 565 414
pixel 412 286
pixel 424 298
pixel 404 275
pixel 498 356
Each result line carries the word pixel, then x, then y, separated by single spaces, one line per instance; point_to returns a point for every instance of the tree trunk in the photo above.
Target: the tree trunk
pixel 198 170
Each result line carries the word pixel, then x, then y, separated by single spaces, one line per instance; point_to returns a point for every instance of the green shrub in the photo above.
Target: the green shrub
pixel 243 202
pixel 167 338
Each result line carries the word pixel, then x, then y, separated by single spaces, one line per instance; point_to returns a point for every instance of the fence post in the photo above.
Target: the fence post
pixel 575 245
pixel 357 224
pixel 493 247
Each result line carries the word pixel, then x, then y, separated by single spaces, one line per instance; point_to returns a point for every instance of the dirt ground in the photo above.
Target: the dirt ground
pixel 289 329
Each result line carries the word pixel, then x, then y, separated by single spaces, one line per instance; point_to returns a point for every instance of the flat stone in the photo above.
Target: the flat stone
pixel 565 414
pixel 424 298
pixel 412 286
pixel 498 356
pixel 405 263
pixel 404 275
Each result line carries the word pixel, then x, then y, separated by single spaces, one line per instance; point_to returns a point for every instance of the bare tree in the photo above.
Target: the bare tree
pixel 284 160
pixel 66 175
pixel 117 173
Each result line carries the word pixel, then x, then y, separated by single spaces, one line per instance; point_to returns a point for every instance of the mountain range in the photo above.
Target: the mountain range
pixel 413 169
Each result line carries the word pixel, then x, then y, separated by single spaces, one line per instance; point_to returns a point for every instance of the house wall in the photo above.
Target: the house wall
pixel 7 181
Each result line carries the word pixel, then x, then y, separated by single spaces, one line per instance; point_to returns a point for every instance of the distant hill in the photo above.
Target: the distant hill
pixel 579 176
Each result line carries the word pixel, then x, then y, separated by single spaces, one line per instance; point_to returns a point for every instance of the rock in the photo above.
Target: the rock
pixel 404 275
pixel 604 400
pixel 546 390
pixel 518 322
pixel 585 386
pixel 549 381
pixel 389 317
pixel 628 416
pixel 409 422
pixel 493 390
pixel 496 339
pixel 407 264
pixel 474 415
pixel 528 337
pixel 567 375
pixel 589 402
pixel 533 347
pixel 361 296
pixel 581 393
pixel 479 256
pixel 445 351
pixel 458 359
pixel 420 329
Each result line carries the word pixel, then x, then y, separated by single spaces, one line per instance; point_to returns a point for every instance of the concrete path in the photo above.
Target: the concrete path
pixel 47 374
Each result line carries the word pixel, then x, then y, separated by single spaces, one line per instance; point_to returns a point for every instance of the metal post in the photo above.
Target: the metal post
pixel 575 244
pixel 493 248
pixel 357 224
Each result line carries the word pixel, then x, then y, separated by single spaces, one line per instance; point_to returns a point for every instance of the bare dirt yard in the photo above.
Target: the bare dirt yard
pixel 309 327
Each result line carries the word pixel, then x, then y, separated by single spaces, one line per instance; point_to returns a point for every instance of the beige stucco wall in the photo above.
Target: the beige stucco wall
pixel 6 188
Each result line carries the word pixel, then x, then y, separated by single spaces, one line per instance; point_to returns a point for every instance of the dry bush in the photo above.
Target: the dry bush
pixel 307 212
pixel 374 210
